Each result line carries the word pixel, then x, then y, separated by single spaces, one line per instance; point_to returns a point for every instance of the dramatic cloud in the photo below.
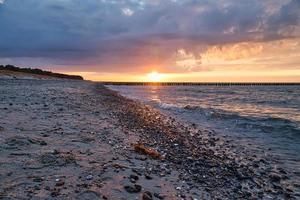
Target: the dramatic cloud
pixel 126 35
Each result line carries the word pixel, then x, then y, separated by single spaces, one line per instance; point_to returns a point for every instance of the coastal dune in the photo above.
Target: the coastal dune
pixel 79 140
pixel 13 72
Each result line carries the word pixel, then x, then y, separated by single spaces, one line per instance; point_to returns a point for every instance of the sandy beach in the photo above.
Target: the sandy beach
pixel 65 139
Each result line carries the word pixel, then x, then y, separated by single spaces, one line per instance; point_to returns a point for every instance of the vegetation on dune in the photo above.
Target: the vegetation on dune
pixel 39 72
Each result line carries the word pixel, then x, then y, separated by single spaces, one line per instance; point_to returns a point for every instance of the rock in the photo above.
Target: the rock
pixel 137 171
pixel 47 188
pixel 147 176
pixel 147 195
pixel 188 107
pixel 159 196
pixel 36 187
pixel 119 166
pixel 134 177
pixel 133 188
pixel 60 183
pixel 281 170
pixel 1 128
pixel 178 188
pixel 55 192
pixel 142 158
pixel 55 152
pixel 275 177
pixel 89 177
pixel 38 179
pixel 43 143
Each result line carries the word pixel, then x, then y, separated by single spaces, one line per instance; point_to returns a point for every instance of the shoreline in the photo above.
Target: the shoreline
pixel 203 154
pixel 79 140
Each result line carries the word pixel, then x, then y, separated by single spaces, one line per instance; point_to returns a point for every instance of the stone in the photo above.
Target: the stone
pixel 188 107
pixel 89 177
pixel 60 183
pixel 134 177
pixel 36 187
pixel 275 177
pixel 147 176
pixel 43 143
pixel 133 188
pixel 147 195
pixel 159 196
pixel 38 179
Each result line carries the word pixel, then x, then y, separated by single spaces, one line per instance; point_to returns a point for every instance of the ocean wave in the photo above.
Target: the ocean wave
pixel 264 124
pixel 289 130
pixel 168 105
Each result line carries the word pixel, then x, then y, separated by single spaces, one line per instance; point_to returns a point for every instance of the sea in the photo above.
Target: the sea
pixel 259 118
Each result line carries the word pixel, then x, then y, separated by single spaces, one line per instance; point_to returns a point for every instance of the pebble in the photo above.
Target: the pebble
pixel 55 152
pixel 38 179
pixel 36 187
pixel 133 188
pixel 134 177
pixel 148 177
pixel 147 195
pixel 89 177
pixel 275 177
pixel 60 183
pixel 159 196
pixel 43 143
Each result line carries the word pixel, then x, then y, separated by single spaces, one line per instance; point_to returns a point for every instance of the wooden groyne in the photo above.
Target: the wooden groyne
pixel 199 84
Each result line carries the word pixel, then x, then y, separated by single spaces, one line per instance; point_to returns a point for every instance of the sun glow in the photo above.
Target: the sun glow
pixel 154 76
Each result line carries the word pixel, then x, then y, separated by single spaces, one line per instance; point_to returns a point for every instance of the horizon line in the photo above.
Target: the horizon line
pixel 195 83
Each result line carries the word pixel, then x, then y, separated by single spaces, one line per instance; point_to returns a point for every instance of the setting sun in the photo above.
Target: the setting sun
pixel 154 76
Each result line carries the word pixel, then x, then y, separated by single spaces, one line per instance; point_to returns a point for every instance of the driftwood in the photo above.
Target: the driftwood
pixel 140 148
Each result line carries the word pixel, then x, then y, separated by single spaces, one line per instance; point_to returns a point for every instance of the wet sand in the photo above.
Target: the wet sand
pixel 80 140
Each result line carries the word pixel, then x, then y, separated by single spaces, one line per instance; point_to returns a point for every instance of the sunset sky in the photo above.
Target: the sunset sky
pixel 155 40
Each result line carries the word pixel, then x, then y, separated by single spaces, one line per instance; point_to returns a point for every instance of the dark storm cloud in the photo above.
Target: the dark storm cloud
pixel 127 32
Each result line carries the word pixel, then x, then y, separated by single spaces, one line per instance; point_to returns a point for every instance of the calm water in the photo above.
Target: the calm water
pixel 262 118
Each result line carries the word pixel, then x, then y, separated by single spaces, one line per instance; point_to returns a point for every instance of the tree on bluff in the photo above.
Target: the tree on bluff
pixel 39 72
